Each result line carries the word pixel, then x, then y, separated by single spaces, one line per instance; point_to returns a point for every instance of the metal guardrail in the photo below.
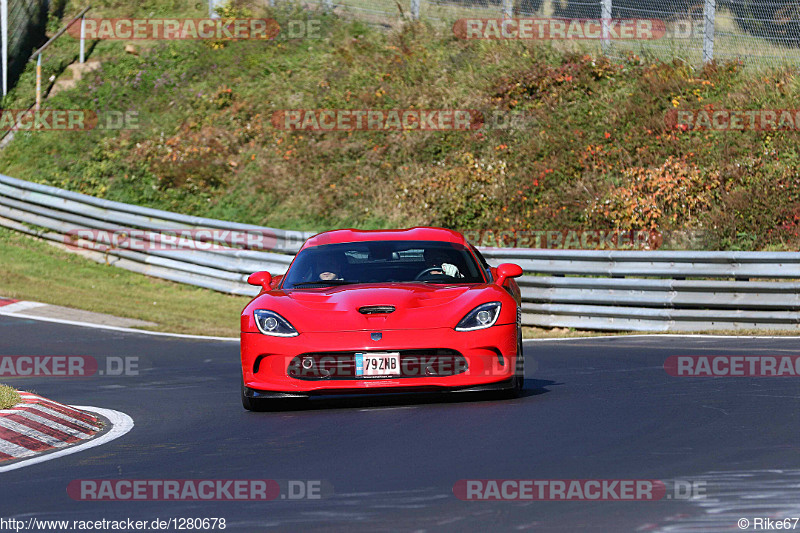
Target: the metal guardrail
pixel 54 214
pixel 587 289
pixel 653 290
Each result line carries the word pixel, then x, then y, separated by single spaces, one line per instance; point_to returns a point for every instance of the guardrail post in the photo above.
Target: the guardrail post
pixel 415 9
pixel 508 8
pixel 328 5
pixel 4 51
pixel 212 4
pixel 605 17
pixel 83 37
pixel 709 18
pixel 38 81
pixel 38 53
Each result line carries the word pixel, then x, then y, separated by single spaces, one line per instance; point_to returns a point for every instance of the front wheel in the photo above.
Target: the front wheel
pixel 519 372
pixel 251 404
pixel 280 403
pixel 518 381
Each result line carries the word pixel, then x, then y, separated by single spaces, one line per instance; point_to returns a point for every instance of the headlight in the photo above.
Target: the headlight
pixel 271 323
pixel 483 316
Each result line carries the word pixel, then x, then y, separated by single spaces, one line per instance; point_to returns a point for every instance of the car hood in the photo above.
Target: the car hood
pixel 417 305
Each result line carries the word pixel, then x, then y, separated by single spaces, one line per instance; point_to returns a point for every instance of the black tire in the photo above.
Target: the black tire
pixel 259 405
pixel 518 381
pixel 251 404
pixel 519 373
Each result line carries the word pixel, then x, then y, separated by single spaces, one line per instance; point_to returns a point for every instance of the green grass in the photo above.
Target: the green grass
pixel 9 397
pixel 34 270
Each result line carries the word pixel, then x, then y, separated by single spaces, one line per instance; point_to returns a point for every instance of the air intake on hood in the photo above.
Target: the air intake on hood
pixel 376 309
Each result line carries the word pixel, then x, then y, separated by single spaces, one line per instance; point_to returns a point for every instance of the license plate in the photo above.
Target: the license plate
pixel 377 364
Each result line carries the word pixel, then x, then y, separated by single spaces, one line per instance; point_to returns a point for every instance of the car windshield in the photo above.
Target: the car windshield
pixel 383 262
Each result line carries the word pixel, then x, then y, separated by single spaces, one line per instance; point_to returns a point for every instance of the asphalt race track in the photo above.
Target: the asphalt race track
pixel 594 409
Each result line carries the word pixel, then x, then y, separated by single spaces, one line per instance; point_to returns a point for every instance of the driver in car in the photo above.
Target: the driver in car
pixel 436 258
pixel 334 269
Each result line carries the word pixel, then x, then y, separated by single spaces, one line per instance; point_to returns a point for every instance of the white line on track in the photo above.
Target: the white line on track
pixel 120 425
pixel 115 328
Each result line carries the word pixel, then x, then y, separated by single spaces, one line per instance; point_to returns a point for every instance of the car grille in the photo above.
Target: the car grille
pixel 435 362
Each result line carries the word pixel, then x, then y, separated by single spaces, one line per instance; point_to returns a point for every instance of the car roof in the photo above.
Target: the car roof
pixel 411 234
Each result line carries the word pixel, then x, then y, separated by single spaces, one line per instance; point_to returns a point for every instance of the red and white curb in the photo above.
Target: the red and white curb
pixel 7 301
pixel 15 306
pixel 39 425
pixel 35 428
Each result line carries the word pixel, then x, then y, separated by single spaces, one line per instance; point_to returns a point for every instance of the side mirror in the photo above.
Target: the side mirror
pixel 507 270
pixel 262 278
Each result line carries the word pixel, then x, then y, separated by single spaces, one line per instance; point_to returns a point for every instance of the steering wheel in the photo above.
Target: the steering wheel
pixel 429 271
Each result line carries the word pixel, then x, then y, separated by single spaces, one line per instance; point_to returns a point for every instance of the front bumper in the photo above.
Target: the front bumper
pixel 489 359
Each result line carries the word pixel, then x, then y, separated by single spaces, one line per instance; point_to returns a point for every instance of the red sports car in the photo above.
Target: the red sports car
pixel 382 311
